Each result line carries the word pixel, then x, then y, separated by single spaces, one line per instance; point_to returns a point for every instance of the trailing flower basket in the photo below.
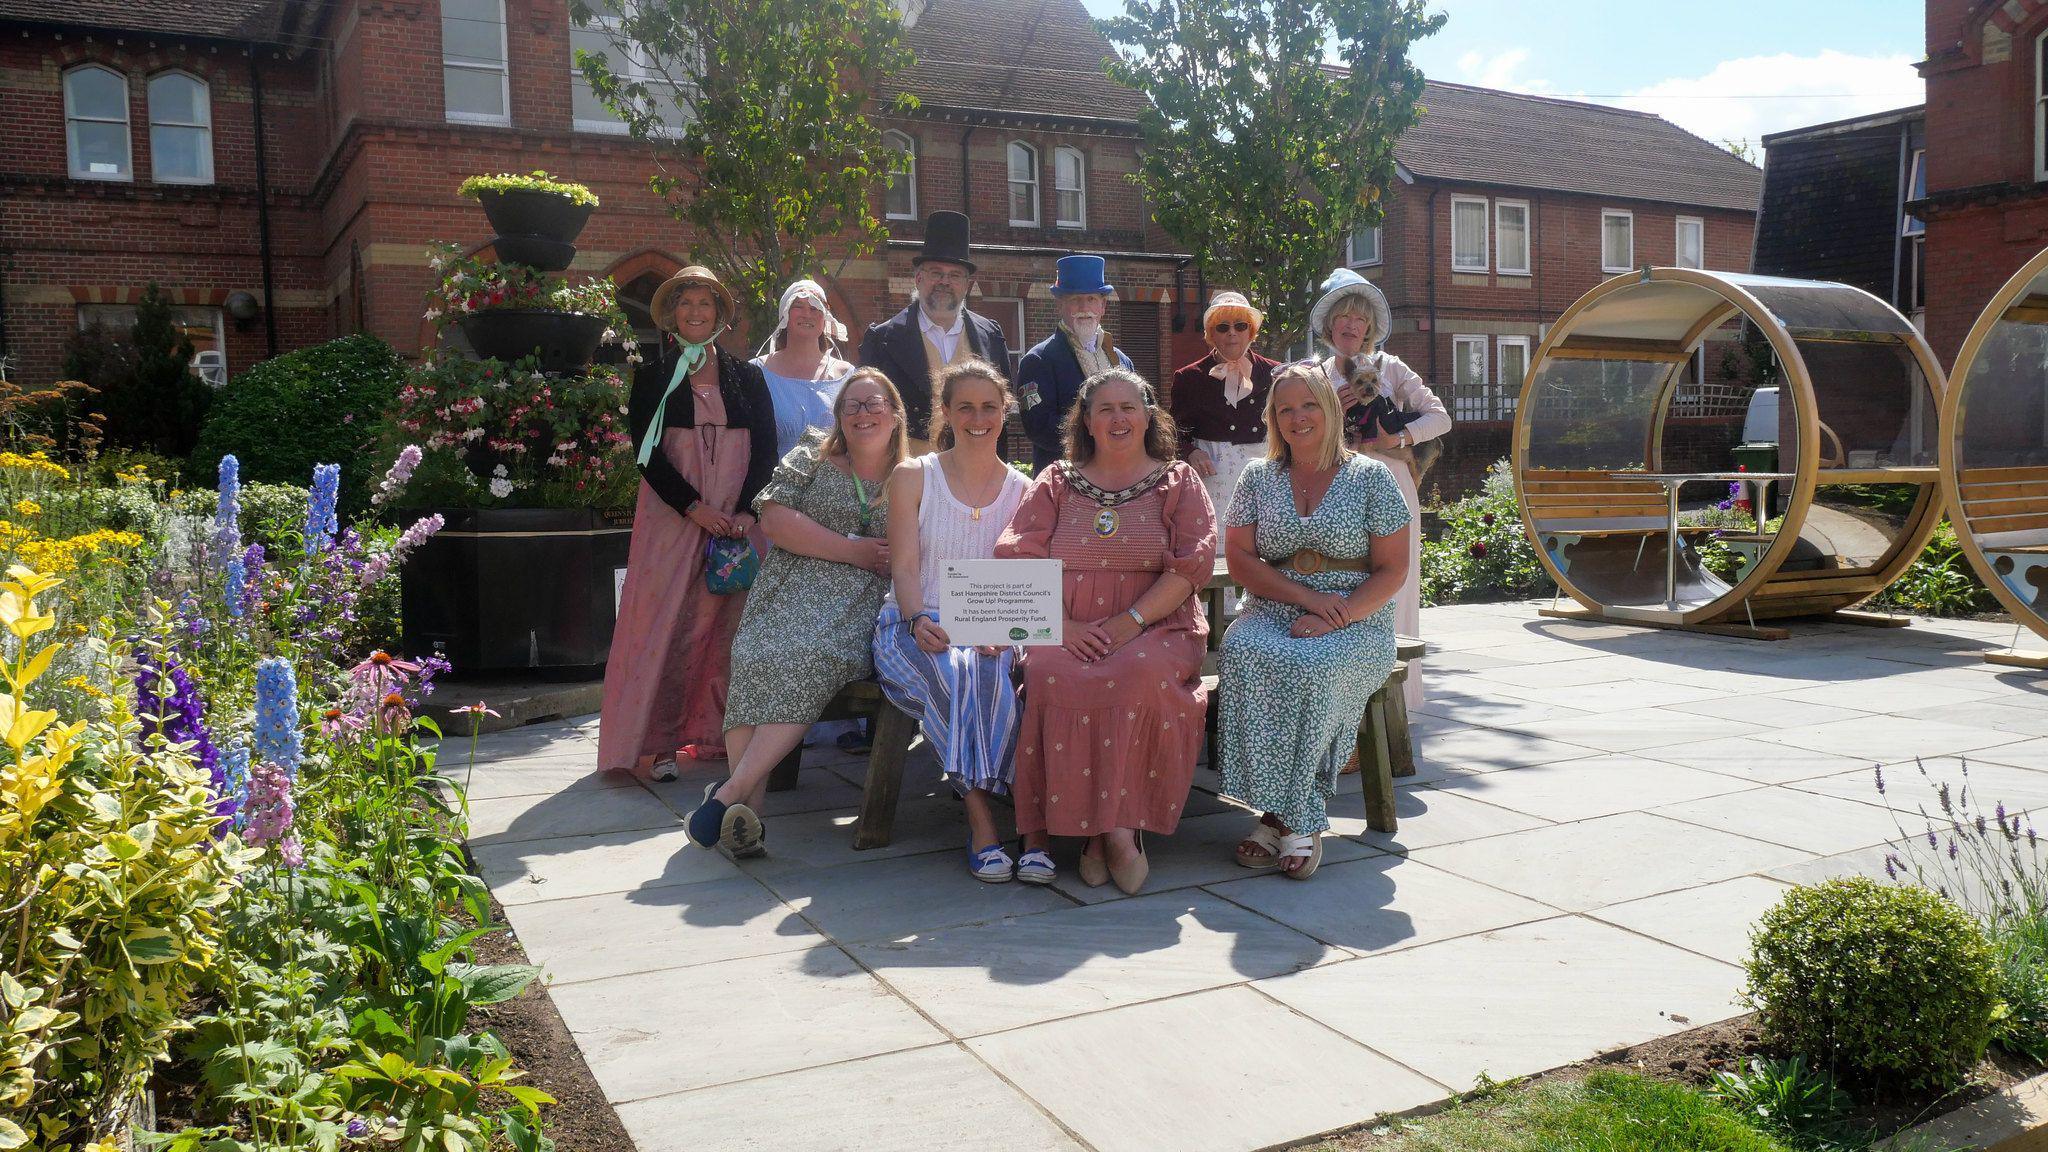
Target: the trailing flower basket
pixel 527 212
pixel 518 589
pixel 562 341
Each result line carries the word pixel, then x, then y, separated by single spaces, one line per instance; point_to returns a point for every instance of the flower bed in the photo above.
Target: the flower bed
pixel 231 867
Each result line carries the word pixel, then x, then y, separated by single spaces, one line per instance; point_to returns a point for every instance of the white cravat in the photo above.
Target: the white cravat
pixel 945 340
pixel 1237 378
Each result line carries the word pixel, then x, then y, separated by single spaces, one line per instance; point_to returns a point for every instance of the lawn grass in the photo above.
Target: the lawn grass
pixel 1608 1111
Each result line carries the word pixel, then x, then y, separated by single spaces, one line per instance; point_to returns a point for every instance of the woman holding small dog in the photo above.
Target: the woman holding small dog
pixel 1353 321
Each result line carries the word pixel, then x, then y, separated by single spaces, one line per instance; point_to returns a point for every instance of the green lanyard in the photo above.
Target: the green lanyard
pixel 861 490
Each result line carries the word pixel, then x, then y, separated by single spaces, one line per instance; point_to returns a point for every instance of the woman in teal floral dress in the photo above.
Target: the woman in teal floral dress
pixel 811 612
pixel 1317 537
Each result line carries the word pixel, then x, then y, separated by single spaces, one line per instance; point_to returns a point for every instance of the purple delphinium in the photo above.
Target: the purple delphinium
pixel 234 771
pixel 400 473
pixel 320 520
pixel 270 811
pixel 237 587
pixel 252 575
pixel 170 703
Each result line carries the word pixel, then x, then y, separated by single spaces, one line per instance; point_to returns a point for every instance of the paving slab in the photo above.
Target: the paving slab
pixel 1636 729
pixel 539 775
pixel 1514 1002
pixel 1005 975
pixel 562 868
pixel 580 812
pixel 1891 739
pixel 2026 754
pixel 1489 750
pixel 1203 851
pixel 768 1014
pixel 890 899
pixel 1381 904
pixel 916 1101
pixel 1171 1076
pixel 1430 816
pixel 1594 863
pixel 1594 786
pixel 1713 920
pixel 1749 758
pixel 1818 824
pixel 654 929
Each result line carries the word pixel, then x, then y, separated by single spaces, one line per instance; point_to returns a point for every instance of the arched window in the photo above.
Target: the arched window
pixel 1070 185
pixel 1023 185
pixel 96 124
pixel 900 201
pixel 180 129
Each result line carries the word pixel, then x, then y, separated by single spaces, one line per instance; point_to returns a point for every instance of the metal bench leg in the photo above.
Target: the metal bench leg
pixel 782 777
pixel 1376 764
pixel 892 736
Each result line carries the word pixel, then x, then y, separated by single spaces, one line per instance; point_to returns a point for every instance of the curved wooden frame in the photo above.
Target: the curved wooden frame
pixel 1760 592
pixel 1951 436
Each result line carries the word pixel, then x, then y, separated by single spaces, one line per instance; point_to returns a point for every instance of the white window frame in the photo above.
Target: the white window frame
pixel 1379 251
pixel 504 71
pixel 1485 234
pixel 1510 393
pixel 1916 178
pixel 1080 190
pixel 1678 240
pixel 1607 214
pixel 2041 106
pixel 637 69
pixel 127 173
pixel 206 92
pixel 1011 184
pixel 1462 405
pixel 1500 256
pixel 900 144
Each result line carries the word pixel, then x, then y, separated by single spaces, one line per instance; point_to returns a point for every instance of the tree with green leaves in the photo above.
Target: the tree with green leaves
pixel 757 111
pixel 1271 131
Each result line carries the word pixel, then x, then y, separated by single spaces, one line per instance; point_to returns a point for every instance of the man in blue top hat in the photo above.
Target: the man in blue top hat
pixel 1050 375
pixel 937 329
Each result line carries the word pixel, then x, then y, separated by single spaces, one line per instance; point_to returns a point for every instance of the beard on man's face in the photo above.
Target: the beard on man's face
pixel 940 298
pixel 1085 326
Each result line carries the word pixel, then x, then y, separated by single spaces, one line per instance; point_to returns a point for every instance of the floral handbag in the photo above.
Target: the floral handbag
pixel 730 564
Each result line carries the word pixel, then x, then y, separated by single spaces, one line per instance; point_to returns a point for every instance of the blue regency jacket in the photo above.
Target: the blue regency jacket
pixel 1048 382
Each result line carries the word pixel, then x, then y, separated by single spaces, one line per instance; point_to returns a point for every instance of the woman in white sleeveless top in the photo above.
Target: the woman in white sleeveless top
pixel 952 505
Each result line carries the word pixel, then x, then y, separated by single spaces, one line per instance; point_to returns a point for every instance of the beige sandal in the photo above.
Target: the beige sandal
pixel 1307 848
pixel 1131 876
pixel 1265 836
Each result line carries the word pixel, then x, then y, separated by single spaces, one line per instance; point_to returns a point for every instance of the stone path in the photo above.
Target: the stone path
pixel 1599 814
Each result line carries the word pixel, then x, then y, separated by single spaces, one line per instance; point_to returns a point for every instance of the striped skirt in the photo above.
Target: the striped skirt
pixel 964 701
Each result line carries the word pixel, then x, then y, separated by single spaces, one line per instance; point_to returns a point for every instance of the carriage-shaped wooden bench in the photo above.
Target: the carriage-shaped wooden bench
pixel 1613 502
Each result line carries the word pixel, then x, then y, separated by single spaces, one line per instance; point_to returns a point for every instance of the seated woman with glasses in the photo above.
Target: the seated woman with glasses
pixel 1318 538
pixel 1219 401
pixel 812 607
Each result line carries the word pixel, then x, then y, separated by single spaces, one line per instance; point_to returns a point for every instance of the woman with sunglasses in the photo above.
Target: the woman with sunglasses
pixel 1219 402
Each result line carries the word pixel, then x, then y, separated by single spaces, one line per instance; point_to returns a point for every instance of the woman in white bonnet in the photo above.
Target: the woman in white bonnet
pixel 803 374
pixel 1352 320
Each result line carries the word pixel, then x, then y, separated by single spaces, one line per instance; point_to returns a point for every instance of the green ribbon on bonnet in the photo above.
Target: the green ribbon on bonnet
pixel 691 360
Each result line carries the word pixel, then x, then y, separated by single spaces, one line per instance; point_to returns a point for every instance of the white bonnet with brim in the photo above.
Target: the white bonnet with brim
pixel 1345 283
pixel 812 291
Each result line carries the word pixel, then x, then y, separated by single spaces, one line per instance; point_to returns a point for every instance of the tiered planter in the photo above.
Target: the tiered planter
pixel 530 590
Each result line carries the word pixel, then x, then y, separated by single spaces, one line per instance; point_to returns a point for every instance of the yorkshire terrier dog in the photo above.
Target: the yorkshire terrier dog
pixel 1375 414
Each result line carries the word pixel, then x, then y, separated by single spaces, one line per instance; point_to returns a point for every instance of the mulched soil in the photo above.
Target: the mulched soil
pixel 1695 1057
pixel 580 1120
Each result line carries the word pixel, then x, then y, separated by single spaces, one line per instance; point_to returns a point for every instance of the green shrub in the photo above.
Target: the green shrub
pixel 273 515
pixel 1482 553
pixel 319 405
pixel 1940 583
pixel 142 387
pixel 1888 987
pixel 1799 1104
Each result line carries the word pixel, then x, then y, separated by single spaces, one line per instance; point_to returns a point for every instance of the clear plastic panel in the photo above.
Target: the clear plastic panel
pixel 1593 414
pixel 1874 403
pixel 1810 305
pixel 2002 449
pixel 1657 310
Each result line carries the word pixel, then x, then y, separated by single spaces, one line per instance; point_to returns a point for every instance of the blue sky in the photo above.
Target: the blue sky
pixel 1733 69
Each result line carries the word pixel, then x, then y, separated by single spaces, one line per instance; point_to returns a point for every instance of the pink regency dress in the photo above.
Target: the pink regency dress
pixel 671 659
pixel 1112 744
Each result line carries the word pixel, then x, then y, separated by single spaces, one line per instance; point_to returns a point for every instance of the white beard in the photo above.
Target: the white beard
pixel 1088 330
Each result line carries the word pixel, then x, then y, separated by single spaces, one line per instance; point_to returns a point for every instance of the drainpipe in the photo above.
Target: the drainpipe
pixel 6 266
pixel 263 202
pixel 966 182
pixel 1434 189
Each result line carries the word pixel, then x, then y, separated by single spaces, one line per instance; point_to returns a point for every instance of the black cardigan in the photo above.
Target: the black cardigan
pixel 747 405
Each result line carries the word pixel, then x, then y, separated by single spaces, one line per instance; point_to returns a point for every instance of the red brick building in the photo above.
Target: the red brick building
pixel 299 155
pixel 1986 204
pixel 1509 208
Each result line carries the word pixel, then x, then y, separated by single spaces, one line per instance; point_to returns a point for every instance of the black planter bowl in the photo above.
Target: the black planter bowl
pixel 522 212
pixel 564 341
pixel 537 252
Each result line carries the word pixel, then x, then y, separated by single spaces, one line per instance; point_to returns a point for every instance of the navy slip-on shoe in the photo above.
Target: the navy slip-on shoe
pixel 708 821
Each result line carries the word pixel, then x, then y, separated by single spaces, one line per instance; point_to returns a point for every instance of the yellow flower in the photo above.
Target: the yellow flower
pixel 27 507
pixel 34 462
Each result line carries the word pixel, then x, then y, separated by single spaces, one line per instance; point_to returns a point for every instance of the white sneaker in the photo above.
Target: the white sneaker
pixel 663 770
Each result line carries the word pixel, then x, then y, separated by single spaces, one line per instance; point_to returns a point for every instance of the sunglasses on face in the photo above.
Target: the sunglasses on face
pixel 1230 326
pixel 874 404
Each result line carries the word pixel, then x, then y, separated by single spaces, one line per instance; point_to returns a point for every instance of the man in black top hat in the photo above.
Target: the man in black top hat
pixel 936 329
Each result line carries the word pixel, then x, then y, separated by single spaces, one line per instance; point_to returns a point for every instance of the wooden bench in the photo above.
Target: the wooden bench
pixel 890 746
pixel 2006 511
pixel 1594 503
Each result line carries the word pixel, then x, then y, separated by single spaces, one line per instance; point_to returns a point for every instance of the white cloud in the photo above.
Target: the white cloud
pixel 1498 71
pixel 1746 98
